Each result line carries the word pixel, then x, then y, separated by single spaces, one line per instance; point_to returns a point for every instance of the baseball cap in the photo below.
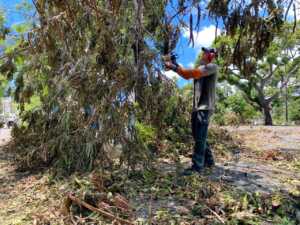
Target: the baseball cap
pixel 210 50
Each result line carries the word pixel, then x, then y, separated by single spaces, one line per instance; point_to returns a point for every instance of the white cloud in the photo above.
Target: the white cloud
pixel 171 74
pixel 191 65
pixel 203 38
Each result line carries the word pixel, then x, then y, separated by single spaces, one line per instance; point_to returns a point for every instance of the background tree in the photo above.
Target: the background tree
pixel 269 75
pixel 7 68
pixel 232 108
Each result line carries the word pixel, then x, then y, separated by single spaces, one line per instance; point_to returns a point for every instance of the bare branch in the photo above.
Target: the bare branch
pixel 295 18
pixel 288 9
pixel 289 76
pixel 101 211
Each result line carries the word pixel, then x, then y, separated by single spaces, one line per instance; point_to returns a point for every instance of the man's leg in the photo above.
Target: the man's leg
pixel 209 157
pixel 200 127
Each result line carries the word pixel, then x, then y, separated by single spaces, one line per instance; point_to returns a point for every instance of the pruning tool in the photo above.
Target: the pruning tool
pixel 172 57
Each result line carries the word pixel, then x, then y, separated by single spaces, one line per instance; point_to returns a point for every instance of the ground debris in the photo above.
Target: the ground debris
pixel 158 195
pixel 103 212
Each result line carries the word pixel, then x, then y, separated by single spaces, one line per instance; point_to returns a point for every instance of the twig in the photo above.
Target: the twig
pixel 216 214
pixel 4 56
pixel 102 212
pixel 121 203
pixel 150 210
pixel 295 18
pixel 217 27
pixel 177 13
pixel 288 9
pixel 73 220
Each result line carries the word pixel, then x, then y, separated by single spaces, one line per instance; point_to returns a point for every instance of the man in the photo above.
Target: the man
pixel 205 79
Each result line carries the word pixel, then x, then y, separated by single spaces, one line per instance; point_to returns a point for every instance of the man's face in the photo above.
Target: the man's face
pixel 206 57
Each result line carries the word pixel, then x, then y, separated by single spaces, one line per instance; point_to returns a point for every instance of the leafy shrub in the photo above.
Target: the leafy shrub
pixel 233 109
pixel 295 110
pixel 146 133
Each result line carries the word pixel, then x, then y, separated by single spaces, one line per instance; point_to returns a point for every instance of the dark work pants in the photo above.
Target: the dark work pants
pixel 202 155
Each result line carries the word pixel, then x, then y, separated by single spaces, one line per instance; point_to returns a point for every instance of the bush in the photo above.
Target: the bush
pixel 146 133
pixel 232 118
pixel 233 109
pixel 295 110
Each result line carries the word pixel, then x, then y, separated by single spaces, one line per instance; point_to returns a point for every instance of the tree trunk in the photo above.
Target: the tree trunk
pixel 268 116
pixel 286 107
pixel 138 48
pixel 265 104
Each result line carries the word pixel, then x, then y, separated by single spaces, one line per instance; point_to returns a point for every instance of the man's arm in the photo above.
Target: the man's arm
pixel 189 73
pixel 202 71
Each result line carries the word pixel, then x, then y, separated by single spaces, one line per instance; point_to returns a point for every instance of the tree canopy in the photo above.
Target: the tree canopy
pixel 269 74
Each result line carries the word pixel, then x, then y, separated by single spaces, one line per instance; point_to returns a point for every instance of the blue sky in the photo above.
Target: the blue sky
pixel 11 13
pixel 186 54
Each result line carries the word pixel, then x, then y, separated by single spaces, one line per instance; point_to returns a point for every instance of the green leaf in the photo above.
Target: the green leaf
pixel 21 28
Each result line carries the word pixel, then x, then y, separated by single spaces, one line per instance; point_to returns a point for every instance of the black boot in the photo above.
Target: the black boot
pixel 191 170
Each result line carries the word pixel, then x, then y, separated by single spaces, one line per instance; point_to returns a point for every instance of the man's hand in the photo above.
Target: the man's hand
pixel 169 65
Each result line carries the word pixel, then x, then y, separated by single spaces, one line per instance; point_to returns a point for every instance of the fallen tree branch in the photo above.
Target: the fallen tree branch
pixel 100 211
pixel 216 214
pixel 121 203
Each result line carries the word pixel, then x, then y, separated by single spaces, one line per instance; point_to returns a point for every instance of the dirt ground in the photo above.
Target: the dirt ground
pixel 22 194
pixel 268 161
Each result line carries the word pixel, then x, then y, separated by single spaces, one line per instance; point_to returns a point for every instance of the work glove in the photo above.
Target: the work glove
pixel 170 66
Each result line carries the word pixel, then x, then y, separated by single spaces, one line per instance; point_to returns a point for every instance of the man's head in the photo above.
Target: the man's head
pixel 208 54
